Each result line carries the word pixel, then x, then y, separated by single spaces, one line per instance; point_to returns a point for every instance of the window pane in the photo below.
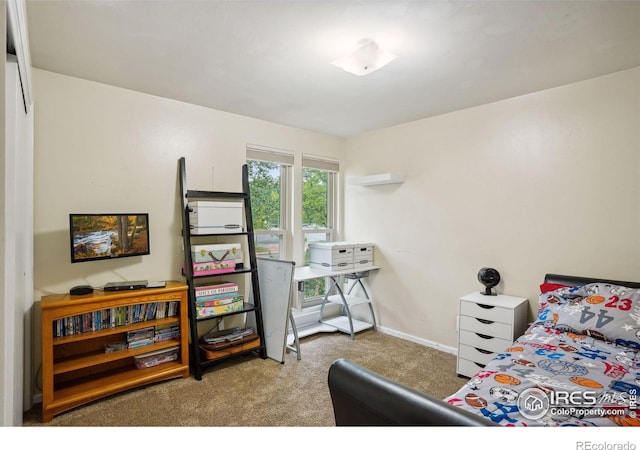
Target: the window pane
pixel 310 237
pixel 317 287
pixel 265 184
pixel 268 245
pixel 315 195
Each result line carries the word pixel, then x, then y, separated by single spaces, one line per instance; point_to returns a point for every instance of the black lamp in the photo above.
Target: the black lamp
pixel 490 278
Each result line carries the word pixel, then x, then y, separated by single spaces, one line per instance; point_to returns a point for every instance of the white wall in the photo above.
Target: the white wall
pixel 547 182
pixel 100 148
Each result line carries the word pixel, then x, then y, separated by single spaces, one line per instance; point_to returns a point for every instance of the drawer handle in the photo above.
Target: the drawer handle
pixel 342 264
pixel 485 321
pixel 485 306
pixel 484 336
pixel 486 352
pixel 480 365
pixel 342 251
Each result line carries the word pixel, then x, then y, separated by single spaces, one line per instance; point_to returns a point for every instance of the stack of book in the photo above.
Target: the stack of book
pixel 216 299
pixel 141 337
pixel 227 336
pixel 165 332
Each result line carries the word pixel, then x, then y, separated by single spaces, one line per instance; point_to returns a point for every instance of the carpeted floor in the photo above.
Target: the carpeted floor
pixel 252 392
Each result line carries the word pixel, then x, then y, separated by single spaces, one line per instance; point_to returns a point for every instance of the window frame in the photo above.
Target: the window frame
pixel 285 160
pixel 330 230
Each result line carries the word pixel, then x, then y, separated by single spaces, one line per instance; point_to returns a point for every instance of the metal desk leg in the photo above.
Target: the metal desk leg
pixel 345 305
pixel 366 295
pixel 296 339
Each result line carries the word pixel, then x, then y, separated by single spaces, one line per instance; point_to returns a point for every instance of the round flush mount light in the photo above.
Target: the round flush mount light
pixel 365 59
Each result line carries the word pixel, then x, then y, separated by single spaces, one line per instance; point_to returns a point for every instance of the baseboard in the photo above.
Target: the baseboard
pixel 308 316
pixel 417 340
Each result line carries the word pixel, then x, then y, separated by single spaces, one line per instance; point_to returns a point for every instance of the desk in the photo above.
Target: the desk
pixel 335 294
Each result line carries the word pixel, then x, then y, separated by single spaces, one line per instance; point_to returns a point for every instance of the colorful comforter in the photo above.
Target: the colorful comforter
pixel 578 364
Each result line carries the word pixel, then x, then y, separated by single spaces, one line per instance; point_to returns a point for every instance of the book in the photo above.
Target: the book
pixel 214 296
pixel 140 337
pixel 115 346
pixel 216 289
pixel 140 343
pixel 166 332
pixel 208 311
pixel 230 334
pixel 217 301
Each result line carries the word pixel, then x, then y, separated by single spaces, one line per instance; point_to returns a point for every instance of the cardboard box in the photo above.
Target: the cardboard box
pixel 340 255
pixel 362 255
pixel 331 255
pixel 244 345
pixel 216 253
pixel 207 217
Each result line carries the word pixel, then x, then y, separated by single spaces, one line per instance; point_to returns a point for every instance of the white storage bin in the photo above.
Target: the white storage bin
pixel 208 217
pixel 331 255
pixel 155 358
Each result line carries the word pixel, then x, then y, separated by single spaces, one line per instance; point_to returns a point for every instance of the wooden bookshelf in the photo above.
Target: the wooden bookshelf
pixel 76 369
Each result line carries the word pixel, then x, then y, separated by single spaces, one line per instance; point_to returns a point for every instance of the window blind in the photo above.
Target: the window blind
pixel 313 162
pixel 269 155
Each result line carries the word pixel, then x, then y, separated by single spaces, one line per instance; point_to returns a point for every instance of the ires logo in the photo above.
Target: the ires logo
pixel 574 398
pixel 536 403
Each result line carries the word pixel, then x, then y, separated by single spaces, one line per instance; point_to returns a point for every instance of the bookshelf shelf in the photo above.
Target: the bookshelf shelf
pixel 77 369
pixel 114 330
pixel 100 357
pixel 88 389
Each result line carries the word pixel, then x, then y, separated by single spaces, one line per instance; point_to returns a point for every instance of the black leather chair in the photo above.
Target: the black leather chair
pixel 361 397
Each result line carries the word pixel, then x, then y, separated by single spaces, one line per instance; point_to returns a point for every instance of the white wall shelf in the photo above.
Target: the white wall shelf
pixel 380 178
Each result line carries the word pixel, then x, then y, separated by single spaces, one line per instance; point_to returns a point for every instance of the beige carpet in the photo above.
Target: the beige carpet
pixel 250 391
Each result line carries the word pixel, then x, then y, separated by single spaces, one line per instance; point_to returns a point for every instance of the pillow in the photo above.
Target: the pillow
pixel 601 310
pixel 547 287
pixel 548 294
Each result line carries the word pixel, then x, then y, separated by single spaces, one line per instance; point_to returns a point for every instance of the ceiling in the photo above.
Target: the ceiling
pixel 271 59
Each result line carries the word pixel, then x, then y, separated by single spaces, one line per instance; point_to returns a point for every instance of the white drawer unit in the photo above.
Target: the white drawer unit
pixel 487 325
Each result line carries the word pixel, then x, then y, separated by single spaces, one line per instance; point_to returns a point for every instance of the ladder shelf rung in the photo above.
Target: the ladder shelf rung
pixel 215 194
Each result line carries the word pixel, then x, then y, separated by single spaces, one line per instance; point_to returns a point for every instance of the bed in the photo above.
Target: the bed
pixel 577 364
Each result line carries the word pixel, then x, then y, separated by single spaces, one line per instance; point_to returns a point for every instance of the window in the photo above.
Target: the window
pixel 271 185
pixel 319 204
pixel 269 182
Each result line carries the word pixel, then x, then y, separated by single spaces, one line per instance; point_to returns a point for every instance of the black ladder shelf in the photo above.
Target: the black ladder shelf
pixel 198 362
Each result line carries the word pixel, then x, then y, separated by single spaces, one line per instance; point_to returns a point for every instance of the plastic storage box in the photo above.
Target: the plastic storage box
pixel 158 357
pixel 208 217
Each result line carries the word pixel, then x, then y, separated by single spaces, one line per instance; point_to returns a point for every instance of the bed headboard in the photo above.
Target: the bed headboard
pixel 570 280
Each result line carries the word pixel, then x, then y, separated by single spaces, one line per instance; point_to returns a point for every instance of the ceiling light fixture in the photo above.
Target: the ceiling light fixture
pixel 367 58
